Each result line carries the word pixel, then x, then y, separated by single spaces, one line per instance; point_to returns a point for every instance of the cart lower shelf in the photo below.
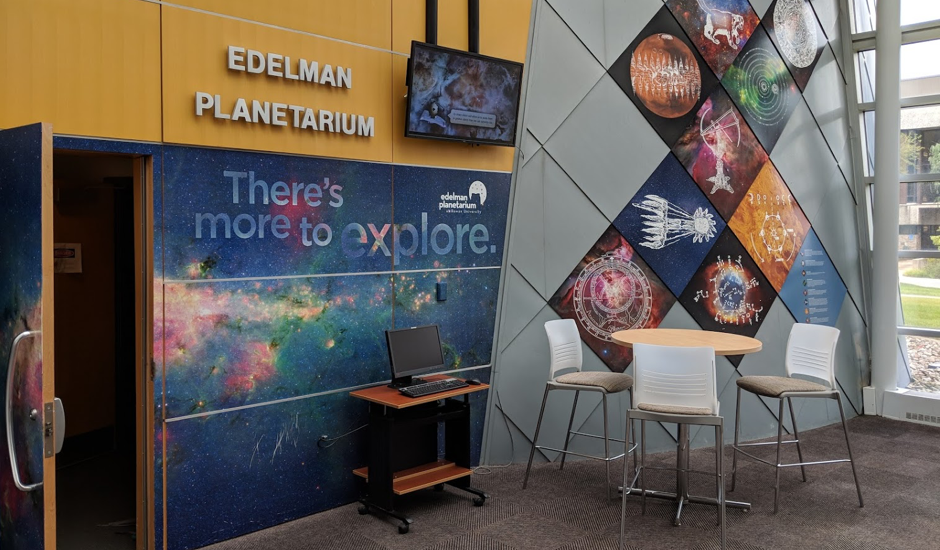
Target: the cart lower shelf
pixel 421 477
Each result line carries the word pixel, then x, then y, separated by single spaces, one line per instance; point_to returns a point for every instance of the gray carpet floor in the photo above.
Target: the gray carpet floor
pixel 898 464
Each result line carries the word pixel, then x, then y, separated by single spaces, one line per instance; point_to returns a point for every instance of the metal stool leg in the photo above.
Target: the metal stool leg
pixel 845 430
pixel 535 439
pixel 643 463
pixel 574 406
pixel 777 467
pixel 606 444
pixel 626 461
pixel 719 474
pixel 796 434
pixel 737 431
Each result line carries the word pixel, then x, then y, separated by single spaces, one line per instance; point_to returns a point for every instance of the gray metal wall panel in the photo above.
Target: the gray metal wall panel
pixel 586 19
pixel 527 234
pixel 563 71
pixel 572 225
pixel 522 304
pixel 607 147
pixel 829 109
pixel 623 20
pixel 804 160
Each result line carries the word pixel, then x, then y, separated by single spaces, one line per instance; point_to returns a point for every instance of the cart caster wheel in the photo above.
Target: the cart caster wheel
pixel 363 510
pixel 479 501
pixel 403 529
pixel 439 487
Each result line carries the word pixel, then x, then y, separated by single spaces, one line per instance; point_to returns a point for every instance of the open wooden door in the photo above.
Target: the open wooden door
pixel 27 417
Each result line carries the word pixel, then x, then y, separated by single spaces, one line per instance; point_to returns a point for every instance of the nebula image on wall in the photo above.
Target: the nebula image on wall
pixel 718 28
pixel 794 29
pixel 770 225
pixel 612 289
pixel 21 293
pixel 671 223
pixel 664 75
pixel 728 292
pixel 236 343
pixel 721 153
pixel 460 96
pixel 761 86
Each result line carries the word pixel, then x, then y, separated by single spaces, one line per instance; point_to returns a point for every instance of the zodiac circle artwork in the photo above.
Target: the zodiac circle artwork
pixel 612 294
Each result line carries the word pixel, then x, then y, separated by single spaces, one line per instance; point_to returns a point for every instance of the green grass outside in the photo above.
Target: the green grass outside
pixel 909 289
pixel 920 312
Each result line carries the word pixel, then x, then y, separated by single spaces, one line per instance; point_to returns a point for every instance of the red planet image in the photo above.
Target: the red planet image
pixel 665 75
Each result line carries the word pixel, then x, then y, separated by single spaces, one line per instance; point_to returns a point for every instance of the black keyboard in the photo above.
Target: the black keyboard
pixel 437 386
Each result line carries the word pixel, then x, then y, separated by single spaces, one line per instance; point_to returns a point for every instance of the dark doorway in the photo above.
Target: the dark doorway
pixel 95 353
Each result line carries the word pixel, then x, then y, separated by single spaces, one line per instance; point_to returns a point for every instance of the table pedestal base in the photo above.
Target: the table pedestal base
pixel 681 496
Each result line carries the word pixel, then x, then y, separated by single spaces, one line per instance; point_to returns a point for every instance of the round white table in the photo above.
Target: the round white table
pixel 724 344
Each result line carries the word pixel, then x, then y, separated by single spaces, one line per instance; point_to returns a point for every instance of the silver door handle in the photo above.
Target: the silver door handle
pixel 9 411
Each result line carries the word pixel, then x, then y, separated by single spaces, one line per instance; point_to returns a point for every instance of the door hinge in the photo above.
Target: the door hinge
pixel 153 369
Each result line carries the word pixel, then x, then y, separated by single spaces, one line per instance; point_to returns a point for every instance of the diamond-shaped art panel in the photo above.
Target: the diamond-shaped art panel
pixel 612 289
pixel 721 153
pixel 793 28
pixel 728 292
pixel 664 75
pixel 813 291
pixel 770 225
pixel 718 28
pixel 761 86
pixel 671 223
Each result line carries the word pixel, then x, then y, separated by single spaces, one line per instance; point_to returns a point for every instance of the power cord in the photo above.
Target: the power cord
pixel 486 470
pixel 325 441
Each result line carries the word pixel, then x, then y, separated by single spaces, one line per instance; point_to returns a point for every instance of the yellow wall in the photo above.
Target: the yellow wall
pixel 129 69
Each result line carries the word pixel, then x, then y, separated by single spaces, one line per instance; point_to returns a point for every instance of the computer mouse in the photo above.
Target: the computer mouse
pixel 474 382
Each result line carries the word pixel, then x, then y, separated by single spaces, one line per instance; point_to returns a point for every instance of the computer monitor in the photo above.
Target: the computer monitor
pixel 413 351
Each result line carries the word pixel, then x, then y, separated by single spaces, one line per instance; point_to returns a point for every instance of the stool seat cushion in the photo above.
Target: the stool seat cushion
pixel 673 409
pixel 773 386
pixel 612 382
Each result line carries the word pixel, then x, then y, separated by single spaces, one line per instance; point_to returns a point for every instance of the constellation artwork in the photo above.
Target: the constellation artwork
pixel 721 153
pixel 722 23
pixel 671 222
pixel 666 223
pixel 728 292
pixel 665 76
pixel 717 28
pixel 721 134
pixel 761 86
pixel 793 27
pixel 612 289
pixel 771 225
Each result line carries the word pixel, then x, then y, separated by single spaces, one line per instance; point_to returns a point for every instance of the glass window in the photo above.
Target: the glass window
pixel 920 292
pixel 923 355
pixel 868 142
pixel 912 11
pixel 866 75
pixel 864 15
pixel 920 71
pixel 919 217
pixel 919 11
pixel 920 140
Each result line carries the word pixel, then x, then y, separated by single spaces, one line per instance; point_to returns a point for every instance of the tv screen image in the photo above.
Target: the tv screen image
pixel 462 96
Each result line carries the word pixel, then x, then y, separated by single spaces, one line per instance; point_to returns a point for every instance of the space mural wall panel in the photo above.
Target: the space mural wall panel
pixel 281 274
pixel 714 230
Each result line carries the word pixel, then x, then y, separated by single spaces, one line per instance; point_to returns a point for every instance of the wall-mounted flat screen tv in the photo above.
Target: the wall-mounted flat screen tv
pixel 462 96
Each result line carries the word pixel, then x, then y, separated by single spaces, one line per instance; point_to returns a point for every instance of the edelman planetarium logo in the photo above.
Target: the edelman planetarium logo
pixel 470 203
